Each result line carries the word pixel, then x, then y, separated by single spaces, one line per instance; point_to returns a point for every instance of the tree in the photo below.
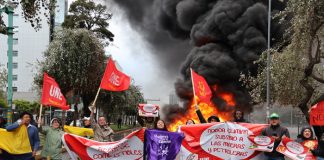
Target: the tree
pixel 296 71
pixel 91 16
pixel 3 82
pixel 76 59
pixel 32 10
pixel 23 105
pixel 121 103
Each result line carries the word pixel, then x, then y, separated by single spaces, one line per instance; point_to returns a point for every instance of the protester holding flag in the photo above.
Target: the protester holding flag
pixel 25 119
pixel 53 140
pixel 102 131
pixel 277 132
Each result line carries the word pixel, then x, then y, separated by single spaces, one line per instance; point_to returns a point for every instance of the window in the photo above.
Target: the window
pixel 15 14
pixel 15 65
pixel 14 77
pixel 15 41
pixel 14 53
pixel 14 89
pixel 15 29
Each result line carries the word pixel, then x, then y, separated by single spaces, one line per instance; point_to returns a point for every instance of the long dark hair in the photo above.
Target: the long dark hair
pixel 163 129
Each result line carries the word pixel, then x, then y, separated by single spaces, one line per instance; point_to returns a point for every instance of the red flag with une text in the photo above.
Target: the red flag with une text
pixel 52 95
pixel 316 115
pixel 201 87
pixel 113 79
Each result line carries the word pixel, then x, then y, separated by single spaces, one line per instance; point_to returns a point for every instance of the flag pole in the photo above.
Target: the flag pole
pixel 40 115
pixel 193 87
pixel 95 100
pixel 94 103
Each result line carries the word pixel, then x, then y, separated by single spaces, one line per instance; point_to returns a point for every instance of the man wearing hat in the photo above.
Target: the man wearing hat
pixel 277 132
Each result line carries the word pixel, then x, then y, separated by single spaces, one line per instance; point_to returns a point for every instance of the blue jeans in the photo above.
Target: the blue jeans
pixel 319 158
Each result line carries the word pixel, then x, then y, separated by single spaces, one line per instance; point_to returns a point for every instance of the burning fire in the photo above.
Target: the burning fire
pixel 206 110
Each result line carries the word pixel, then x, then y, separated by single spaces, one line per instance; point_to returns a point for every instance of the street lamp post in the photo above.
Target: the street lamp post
pixel 9 10
pixel 268 62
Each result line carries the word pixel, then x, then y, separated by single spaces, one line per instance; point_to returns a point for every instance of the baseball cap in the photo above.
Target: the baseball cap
pixel 274 116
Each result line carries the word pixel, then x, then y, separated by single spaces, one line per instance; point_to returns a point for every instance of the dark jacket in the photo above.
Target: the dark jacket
pixel 278 131
pixel 200 116
pixel 319 151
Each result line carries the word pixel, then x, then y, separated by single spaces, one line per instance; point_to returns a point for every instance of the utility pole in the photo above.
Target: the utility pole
pixel 9 10
pixel 268 62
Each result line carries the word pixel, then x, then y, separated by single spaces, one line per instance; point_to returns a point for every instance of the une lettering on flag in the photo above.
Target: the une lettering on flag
pixel 200 87
pixel 317 114
pixel 113 79
pixel 51 93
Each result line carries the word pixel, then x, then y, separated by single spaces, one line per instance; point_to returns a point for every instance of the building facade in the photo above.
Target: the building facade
pixel 28 48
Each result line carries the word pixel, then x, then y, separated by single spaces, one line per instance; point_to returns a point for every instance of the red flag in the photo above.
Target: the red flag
pixel 200 87
pixel 113 79
pixel 51 94
pixel 316 115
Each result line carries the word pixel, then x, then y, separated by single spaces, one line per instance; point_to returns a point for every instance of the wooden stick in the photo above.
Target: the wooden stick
pixel 95 100
pixel 40 115
pixel 193 86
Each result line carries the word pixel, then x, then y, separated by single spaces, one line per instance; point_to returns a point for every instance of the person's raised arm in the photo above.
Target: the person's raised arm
pixel 14 126
pixel 199 114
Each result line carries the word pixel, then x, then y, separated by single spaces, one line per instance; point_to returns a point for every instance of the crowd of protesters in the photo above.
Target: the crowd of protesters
pixel 52 148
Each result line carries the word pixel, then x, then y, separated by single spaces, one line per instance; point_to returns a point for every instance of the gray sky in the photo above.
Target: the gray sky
pixel 134 56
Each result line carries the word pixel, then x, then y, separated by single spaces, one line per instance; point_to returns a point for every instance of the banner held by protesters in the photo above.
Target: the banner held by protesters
pixel 148 110
pixel 128 148
pixel 262 143
pixel 292 149
pixel 218 140
pixel 162 145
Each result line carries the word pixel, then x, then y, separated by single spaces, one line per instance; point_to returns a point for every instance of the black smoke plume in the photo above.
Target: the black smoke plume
pixel 225 37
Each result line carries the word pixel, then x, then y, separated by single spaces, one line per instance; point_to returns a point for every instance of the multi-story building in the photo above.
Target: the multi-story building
pixel 173 99
pixel 28 46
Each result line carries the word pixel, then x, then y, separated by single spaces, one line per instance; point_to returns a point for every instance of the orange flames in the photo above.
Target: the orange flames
pixel 206 110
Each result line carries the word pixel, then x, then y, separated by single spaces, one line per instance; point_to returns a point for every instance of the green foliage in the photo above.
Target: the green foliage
pixel 3 103
pixel 125 102
pixel 32 10
pixel 89 15
pixel 3 81
pixel 76 59
pixel 23 105
pixel 296 72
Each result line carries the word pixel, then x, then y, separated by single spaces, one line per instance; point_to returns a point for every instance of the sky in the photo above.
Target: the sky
pixel 132 53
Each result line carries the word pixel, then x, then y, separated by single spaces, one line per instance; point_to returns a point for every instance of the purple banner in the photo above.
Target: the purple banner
pixel 162 145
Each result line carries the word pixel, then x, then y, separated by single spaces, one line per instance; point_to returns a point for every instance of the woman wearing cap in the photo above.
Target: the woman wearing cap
pixel 53 141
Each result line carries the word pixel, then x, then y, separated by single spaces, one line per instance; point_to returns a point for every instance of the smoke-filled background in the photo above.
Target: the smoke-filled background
pixel 219 39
